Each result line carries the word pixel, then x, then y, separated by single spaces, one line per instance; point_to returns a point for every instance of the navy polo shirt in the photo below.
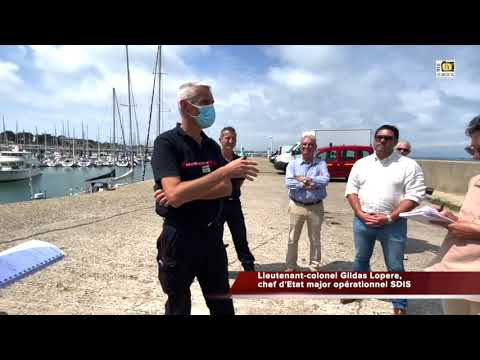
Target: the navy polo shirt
pixel 176 154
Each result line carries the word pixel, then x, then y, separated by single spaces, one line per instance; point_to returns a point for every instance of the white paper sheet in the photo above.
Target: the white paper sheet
pixel 425 215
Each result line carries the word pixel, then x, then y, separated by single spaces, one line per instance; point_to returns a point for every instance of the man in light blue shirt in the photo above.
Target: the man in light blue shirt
pixel 306 179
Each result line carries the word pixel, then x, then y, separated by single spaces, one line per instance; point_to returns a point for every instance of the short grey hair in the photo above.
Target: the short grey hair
pixel 309 136
pixel 473 126
pixel 187 91
pixel 404 142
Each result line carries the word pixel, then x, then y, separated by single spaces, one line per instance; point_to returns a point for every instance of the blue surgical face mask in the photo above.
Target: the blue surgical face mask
pixel 206 115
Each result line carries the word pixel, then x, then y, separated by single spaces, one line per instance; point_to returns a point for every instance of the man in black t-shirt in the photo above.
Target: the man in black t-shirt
pixel 191 178
pixel 232 207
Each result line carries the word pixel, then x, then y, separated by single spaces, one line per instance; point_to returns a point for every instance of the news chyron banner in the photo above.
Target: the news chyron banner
pixel 349 284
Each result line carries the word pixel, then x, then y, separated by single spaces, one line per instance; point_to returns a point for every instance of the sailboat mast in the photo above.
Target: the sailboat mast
pixel 98 139
pixel 124 148
pixel 138 136
pixel 150 117
pixel 129 106
pixel 83 139
pixel 73 143
pixel 137 133
pixel 114 139
pixel 4 132
pixel 159 126
pixel 68 136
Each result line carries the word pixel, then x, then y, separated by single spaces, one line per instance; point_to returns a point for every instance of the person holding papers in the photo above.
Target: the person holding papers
pixel 379 188
pixel 460 250
pixel 404 148
pixel 428 215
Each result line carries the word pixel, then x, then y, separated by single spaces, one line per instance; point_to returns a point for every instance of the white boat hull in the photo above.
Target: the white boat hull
pixel 127 174
pixel 21 174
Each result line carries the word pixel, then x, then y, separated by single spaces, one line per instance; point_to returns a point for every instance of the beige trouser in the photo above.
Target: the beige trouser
pixel 460 307
pixel 313 215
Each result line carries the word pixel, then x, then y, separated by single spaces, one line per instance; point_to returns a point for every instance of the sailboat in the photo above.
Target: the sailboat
pixel 53 162
pixel 122 163
pixel 128 160
pixel 84 162
pixel 71 162
pixel 124 176
pixel 100 183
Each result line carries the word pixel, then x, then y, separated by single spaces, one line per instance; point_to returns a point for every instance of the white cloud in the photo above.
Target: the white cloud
pixel 8 75
pixel 310 57
pixel 296 78
pixel 65 58
pixel 419 100
pixel 466 89
pixel 290 89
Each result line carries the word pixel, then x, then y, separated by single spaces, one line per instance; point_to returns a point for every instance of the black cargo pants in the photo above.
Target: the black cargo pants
pixel 188 252
pixel 233 216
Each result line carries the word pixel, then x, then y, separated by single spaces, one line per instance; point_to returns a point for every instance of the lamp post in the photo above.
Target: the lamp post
pixel 270 151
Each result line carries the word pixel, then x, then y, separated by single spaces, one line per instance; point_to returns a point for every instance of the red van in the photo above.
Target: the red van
pixel 340 159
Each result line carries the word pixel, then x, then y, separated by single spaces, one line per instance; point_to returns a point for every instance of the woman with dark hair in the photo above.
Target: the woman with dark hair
pixel 460 250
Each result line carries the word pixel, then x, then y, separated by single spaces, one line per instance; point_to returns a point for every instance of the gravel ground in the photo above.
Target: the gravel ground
pixel 109 240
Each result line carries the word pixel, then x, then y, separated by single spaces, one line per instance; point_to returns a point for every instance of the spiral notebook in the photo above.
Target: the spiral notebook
pixel 26 258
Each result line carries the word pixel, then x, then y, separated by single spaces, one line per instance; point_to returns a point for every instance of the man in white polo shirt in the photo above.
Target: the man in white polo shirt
pixel 379 188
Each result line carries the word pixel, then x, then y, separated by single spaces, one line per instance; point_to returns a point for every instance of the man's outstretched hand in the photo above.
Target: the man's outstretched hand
pixel 241 168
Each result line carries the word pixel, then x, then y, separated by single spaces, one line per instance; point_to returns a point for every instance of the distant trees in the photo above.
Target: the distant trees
pixel 33 139
pixel 25 137
pixel 10 136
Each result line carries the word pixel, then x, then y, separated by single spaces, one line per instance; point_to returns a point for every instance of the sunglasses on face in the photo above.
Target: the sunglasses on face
pixel 383 137
pixel 472 150
pixel 403 150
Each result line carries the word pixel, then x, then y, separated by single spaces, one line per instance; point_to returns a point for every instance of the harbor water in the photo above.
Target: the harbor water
pixel 63 181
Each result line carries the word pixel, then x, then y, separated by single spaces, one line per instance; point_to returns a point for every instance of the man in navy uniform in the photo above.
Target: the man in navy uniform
pixel 191 177
pixel 232 207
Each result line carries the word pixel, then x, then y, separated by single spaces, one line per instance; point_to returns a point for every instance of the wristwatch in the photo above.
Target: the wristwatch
pixel 389 217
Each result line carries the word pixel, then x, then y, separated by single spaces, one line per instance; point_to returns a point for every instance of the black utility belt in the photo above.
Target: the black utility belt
pixel 307 204
pixel 182 226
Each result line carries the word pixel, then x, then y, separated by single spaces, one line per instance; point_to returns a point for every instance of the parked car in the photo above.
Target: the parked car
pixel 282 160
pixel 273 157
pixel 340 159
pixel 284 149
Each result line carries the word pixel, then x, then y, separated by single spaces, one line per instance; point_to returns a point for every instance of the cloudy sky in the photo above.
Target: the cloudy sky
pixel 262 91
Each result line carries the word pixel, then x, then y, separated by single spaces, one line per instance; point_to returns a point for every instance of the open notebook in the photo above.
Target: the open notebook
pixel 26 258
pixel 426 214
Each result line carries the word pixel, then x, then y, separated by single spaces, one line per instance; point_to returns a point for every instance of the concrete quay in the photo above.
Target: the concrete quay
pixel 449 178
pixel 109 240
